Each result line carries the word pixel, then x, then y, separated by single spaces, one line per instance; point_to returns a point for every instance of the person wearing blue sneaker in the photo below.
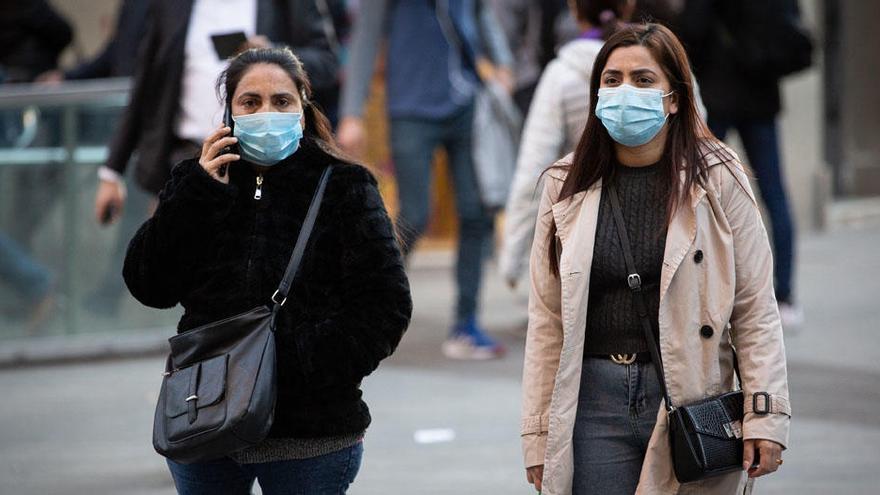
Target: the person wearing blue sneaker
pixel 438 52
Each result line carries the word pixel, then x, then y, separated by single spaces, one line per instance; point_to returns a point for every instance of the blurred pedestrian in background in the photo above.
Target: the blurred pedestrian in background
pixel 32 36
pixel 554 124
pixel 437 52
pixel 337 25
pixel 117 59
pixel 170 112
pixel 740 51
pixel 219 244
pixel 530 27
pixel 28 279
pixel 119 54
pixel 647 177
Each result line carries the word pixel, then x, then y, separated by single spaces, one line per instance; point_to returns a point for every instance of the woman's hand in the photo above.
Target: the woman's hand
pixel 769 455
pixel 211 160
pixel 535 475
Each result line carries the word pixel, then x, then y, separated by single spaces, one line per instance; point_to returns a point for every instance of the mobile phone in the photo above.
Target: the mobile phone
pixel 230 123
pixel 227 45
pixel 108 215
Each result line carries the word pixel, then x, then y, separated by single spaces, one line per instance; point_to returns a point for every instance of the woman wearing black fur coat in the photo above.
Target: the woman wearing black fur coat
pixel 219 243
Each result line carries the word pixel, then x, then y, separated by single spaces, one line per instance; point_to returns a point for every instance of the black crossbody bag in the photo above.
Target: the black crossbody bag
pixel 705 436
pixel 218 390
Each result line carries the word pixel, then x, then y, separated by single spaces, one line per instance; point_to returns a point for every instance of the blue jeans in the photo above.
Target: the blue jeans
pixel 329 474
pixel 413 142
pixel 760 139
pixel 617 409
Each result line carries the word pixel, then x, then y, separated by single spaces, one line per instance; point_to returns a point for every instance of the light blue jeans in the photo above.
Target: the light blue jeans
pixel 329 474
pixel 617 409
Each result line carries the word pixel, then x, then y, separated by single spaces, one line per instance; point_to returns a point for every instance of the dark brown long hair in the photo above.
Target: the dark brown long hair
pixel 594 157
pixel 318 127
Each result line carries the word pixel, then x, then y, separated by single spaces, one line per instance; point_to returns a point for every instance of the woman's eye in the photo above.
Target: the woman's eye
pixel 248 103
pixel 283 102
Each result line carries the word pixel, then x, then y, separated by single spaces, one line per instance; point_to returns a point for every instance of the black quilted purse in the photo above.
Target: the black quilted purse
pixel 705 436
pixel 218 391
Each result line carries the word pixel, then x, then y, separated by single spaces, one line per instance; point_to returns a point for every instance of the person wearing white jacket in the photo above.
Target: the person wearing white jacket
pixel 554 124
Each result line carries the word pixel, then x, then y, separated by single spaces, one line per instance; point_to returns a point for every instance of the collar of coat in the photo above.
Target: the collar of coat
pixel 578 214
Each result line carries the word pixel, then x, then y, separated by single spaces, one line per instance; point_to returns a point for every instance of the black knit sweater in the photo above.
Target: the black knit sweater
pixel 218 251
pixel 613 326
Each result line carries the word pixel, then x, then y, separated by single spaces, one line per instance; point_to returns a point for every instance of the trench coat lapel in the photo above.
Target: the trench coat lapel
pixel 680 236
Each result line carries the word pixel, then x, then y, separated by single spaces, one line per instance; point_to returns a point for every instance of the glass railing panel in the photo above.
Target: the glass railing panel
pixel 60 271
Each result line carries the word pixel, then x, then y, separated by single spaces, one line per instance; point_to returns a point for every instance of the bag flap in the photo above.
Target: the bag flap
pixel 711 418
pixel 203 382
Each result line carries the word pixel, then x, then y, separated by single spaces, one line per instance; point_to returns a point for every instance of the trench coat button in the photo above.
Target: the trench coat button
pixel 707 332
pixel 698 256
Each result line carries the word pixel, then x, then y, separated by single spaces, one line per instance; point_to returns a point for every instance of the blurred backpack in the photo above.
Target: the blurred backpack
pixel 769 39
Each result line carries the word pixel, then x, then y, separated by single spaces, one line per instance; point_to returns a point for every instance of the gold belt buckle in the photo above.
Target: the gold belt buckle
pixel 623 358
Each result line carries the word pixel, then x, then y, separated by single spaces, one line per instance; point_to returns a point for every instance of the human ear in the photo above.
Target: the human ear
pixel 672 104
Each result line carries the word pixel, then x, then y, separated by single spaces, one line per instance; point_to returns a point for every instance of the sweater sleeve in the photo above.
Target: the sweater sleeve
pixel 364 45
pixel 496 40
pixel 348 342
pixel 158 263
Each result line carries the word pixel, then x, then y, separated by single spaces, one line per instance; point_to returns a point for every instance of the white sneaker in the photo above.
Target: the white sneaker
pixel 792 317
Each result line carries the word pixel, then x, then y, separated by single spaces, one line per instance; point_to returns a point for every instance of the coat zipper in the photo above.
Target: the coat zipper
pixel 258 193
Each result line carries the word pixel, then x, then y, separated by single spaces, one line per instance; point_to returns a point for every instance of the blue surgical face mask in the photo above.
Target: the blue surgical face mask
pixel 266 138
pixel 633 116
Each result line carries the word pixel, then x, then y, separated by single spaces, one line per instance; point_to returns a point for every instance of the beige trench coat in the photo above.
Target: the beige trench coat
pixel 730 289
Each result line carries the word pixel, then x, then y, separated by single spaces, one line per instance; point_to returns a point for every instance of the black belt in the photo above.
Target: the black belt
pixel 639 357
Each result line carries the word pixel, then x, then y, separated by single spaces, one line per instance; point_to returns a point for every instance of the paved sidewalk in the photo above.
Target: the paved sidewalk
pixel 85 428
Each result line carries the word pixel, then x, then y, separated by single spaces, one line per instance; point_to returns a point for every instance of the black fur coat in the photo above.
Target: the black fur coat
pixel 218 251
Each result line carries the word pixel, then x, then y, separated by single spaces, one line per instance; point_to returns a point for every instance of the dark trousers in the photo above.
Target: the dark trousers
pixel 413 142
pixel 761 141
pixel 329 474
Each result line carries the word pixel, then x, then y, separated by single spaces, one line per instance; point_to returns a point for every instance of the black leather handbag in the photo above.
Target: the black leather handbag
pixel 218 390
pixel 705 436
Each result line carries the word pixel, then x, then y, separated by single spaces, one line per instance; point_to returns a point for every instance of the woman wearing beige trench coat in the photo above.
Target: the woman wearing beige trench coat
pixel 715 282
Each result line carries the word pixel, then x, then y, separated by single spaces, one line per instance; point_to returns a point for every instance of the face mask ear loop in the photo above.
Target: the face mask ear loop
pixel 666 116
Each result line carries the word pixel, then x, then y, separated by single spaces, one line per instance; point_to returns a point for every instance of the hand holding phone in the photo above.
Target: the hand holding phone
pixel 218 151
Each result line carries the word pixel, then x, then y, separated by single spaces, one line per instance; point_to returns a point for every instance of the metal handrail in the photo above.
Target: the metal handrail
pixel 113 92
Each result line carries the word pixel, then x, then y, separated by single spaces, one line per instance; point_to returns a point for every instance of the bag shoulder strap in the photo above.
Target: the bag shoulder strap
pixel 634 281
pixel 280 295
